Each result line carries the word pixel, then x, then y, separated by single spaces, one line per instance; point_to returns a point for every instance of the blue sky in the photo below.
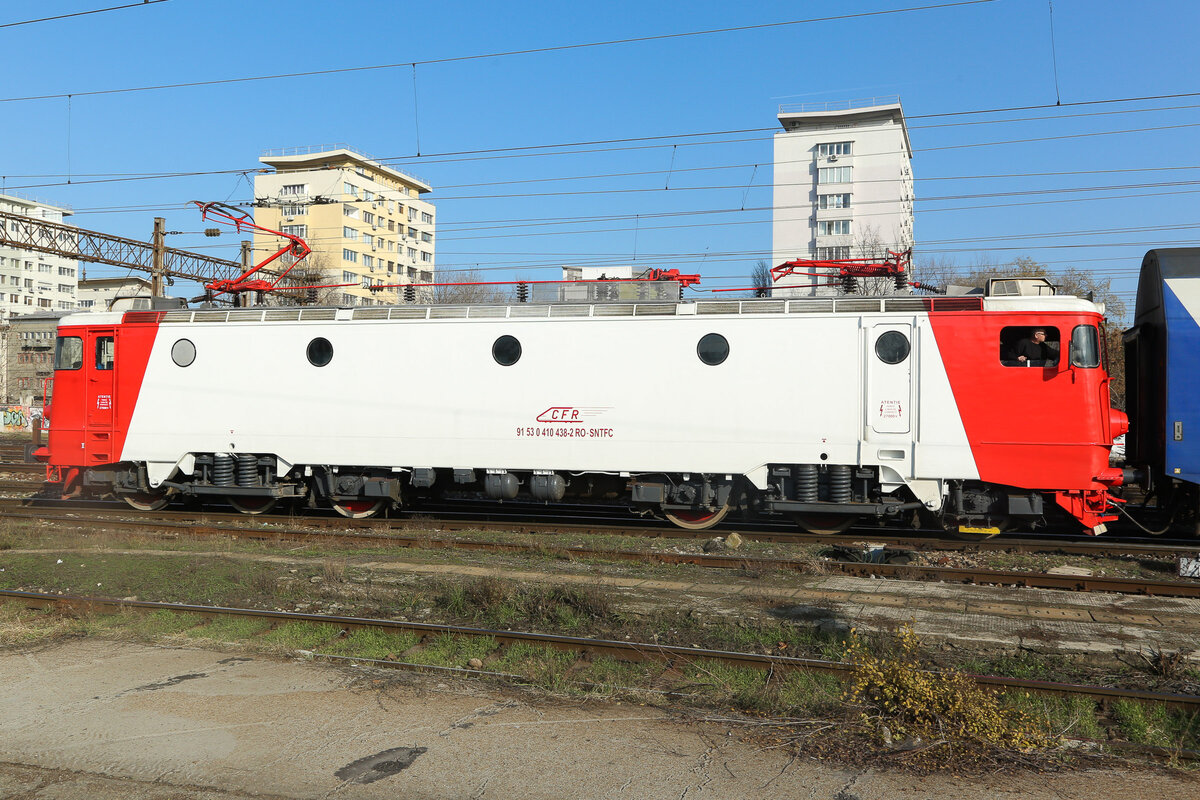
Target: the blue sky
pixel 714 218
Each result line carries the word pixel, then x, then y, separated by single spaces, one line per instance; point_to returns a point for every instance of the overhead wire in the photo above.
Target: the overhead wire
pixel 504 54
pixel 140 4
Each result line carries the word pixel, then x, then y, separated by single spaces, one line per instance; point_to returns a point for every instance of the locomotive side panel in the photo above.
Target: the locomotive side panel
pixel 586 394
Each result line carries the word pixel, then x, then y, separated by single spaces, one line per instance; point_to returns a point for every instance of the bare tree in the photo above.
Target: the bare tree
pixel 869 243
pixel 314 270
pixel 466 289
pixel 1070 281
pixel 762 279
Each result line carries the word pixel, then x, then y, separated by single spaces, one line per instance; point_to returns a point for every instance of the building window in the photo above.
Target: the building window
pixel 293 189
pixel 350 211
pixel 349 255
pixel 86 303
pixel 295 230
pixel 349 234
pixel 834 149
pixel 45 268
pixel 64 287
pixel 412 253
pixel 368 261
pixel 426 257
pixel 412 214
pixel 368 218
pixel 834 175
pixel 833 227
pixel 827 253
pixel 426 217
pixel 368 195
pixel 293 210
pixel 833 201
pixel 350 189
pixel 426 237
pixel 391 225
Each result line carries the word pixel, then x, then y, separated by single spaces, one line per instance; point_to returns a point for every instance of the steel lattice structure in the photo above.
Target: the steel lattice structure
pixel 30 233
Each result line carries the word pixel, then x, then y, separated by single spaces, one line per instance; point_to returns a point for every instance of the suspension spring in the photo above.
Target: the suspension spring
pixel 222 470
pixel 806 483
pixel 840 490
pixel 247 470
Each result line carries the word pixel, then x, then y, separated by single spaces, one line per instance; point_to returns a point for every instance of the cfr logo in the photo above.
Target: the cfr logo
pixel 559 414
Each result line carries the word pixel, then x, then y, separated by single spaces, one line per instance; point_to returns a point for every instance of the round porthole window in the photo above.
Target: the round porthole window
pixel 183 353
pixel 892 347
pixel 713 349
pixel 506 350
pixel 320 352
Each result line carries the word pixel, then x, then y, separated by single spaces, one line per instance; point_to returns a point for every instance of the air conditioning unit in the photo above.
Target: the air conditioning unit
pixel 290 219
pixel 833 157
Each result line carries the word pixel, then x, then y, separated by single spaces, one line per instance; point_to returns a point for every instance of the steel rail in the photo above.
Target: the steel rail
pixel 628 651
pixel 1033 580
pixel 526 522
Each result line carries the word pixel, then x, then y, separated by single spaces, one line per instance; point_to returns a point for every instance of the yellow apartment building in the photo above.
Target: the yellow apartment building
pixel 364 221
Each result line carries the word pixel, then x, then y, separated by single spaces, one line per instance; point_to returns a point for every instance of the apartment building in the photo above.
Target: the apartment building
pixel 29 357
pixel 843 185
pixel 32 282
pixel 366 222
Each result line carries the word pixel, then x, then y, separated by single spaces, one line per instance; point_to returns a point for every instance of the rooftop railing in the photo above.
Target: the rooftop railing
pixel 839 105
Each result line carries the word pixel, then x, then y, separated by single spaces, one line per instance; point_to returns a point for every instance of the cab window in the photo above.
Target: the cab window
pixel 68 353
pixel 104 352
pixel 1029 346
pixel 1085 347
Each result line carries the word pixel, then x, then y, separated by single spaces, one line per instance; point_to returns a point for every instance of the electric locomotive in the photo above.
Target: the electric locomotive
pixel 826 409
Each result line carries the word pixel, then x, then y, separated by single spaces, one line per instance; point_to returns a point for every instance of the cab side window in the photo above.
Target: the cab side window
pixel 68 352
pixel 1029 346
pixel 105 349
pixel 1085 347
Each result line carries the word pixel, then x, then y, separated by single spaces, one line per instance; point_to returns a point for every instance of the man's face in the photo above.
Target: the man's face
pixel 1039 336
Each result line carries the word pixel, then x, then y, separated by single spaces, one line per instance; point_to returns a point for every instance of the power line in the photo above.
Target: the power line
pixel 143 3
pixel 501 54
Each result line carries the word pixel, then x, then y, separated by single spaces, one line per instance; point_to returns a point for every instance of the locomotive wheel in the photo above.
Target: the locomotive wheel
pixel 825 524
pixel 358 509
pixel 251 505
pixel 147 501
pixel 697 520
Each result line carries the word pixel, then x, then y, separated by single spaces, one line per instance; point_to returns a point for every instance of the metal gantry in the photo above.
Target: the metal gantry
pixel 155 258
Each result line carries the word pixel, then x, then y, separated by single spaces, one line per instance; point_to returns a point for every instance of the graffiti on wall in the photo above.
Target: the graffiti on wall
pixel 19 418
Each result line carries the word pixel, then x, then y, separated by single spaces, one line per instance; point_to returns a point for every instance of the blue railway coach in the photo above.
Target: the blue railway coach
pixel 1162 363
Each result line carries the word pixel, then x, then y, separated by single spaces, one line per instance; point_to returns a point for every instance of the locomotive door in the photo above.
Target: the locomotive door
pixel 889 378
pixel 99 359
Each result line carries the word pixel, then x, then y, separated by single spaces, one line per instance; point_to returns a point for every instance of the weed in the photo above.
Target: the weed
pixel 542 665
pixel 893 689
pixel 230 629
pixel 333 571
pixel 1156 725
pixel 448 650
pixel 299 636
pixel 373 643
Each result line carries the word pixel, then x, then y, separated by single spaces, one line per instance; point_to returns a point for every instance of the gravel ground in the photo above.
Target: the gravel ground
pixel 103 719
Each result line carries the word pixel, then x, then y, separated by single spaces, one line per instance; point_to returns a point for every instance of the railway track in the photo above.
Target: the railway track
pixel 371 534
pixel 621 650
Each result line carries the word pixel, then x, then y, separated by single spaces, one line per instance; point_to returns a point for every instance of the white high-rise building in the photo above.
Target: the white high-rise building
pixel 843 185
pixel 32 282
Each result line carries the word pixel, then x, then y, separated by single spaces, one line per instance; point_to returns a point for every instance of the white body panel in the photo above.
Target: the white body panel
pixel 601 394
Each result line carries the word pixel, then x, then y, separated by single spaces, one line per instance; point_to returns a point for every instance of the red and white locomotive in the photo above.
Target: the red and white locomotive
pixel 824 409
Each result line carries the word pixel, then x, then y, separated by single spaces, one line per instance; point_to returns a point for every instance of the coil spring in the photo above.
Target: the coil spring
pixel 222 470
pixel 840 490
pixel 806 483
pixel 247 470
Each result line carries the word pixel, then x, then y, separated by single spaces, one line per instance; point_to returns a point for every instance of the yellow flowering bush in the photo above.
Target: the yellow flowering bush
pixel 895 690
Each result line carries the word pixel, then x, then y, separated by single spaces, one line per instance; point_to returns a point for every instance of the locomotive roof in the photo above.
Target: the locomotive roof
pixel 822 305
